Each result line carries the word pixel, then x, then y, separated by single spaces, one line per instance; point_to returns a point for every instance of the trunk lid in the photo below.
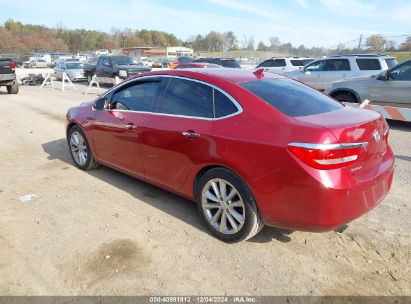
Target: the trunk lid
pixel 352 125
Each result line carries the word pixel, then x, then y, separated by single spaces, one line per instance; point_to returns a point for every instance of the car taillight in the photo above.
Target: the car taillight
pixel 326 156
pixel 12 66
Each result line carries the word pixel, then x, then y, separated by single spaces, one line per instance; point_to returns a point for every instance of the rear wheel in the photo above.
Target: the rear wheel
pixel 227 206
pixel 80 149
pixel 13 89
pixel 346 97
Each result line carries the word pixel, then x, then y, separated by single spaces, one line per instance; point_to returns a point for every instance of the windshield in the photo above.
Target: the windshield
pixel 291 97
pixel 74 66
pixel 123 60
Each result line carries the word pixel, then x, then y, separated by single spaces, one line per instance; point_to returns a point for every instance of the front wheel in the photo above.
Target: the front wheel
pixel 227 206
pixel 80 149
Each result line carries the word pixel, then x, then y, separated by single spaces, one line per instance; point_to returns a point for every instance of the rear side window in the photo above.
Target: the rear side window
pixel 291 97
pixel 297 62
pixel 369 64
pixel 188 98
pixel 137 97
pixel 223 105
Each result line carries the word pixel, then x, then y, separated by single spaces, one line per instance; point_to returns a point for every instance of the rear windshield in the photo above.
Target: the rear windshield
pixel 368 64
pixel 297 62
pixel 391 62
pixel 122 60
pixel 291 97
pixel 230 63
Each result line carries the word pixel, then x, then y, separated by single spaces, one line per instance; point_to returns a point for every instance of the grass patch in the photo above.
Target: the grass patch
pixel 401 56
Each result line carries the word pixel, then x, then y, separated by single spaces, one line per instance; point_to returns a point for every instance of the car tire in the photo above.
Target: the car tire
pixel 13 89
pixel 89 79
pixel 346 97
pixel 80 149
pixel 229 224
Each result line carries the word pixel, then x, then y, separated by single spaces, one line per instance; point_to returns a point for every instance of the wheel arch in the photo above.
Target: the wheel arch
pixel 352 92
pixel 207 168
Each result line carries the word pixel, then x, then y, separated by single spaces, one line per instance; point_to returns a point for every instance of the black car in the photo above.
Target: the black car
pixel 224 62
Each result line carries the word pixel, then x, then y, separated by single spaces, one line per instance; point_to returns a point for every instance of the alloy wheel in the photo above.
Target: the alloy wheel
pixel 78 148
pixel 223 206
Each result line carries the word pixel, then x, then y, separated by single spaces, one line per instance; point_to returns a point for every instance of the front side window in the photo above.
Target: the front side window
pixel 368 64
pixel 279 63
pixel 187 98
pixel 317 66
pixel 137 97
pixel 402 72
pixel 267 64
pixel 291 97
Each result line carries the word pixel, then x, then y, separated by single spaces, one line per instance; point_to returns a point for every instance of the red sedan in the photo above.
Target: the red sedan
pixel 250 149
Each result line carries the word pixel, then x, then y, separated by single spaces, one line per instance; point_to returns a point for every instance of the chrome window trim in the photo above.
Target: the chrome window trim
pixel 235 102
pixel 328 146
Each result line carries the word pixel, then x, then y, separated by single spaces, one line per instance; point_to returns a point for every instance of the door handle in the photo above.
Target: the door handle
pixel 131 126
pixel 191 134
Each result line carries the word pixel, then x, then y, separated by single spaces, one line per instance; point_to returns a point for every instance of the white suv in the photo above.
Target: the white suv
pixel 321 73
pixel 280 65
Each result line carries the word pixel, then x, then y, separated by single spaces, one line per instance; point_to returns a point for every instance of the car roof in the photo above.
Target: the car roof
pixel 229 74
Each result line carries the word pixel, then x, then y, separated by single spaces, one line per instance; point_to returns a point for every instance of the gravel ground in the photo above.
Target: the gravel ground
pixel 104 233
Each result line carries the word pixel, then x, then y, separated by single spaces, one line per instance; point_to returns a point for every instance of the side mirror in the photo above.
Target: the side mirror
pixel 102 104
pixel 383 76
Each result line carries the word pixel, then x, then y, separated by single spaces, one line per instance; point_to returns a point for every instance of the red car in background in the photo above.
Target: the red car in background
pixel 194 65
pixel 181 60
pixel 250 148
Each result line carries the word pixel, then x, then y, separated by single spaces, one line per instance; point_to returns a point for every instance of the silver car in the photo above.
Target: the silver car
pixel 392 87
pixel 73 69
pixel 321 73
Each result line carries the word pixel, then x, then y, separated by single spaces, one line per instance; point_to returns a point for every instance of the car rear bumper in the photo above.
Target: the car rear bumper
pixel 311 206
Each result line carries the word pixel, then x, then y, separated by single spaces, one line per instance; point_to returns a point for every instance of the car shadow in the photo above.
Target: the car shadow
pixel 403 157
pixel 399 125
pixel 268 234
pixel 163 200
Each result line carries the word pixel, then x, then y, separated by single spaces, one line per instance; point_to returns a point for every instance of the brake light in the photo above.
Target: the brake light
pixel 12 66
pixel 326 156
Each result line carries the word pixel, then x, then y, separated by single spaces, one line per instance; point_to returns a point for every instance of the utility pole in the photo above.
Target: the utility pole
pixel 359 44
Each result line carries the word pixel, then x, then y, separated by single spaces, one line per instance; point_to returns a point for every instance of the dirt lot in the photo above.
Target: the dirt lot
pixel 104 233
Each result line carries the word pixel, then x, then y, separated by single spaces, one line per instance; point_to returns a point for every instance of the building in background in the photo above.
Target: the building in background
pixel 141 52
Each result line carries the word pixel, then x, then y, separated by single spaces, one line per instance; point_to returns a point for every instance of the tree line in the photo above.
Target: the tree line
pixel 16 37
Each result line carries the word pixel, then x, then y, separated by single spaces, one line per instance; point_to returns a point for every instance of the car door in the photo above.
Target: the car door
pixel 174 139
pixel 335 69
pixel 116 129
pixel 395 87
pixel 311 75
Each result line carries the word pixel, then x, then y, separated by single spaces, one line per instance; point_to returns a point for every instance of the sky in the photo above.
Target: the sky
pixel 323 23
